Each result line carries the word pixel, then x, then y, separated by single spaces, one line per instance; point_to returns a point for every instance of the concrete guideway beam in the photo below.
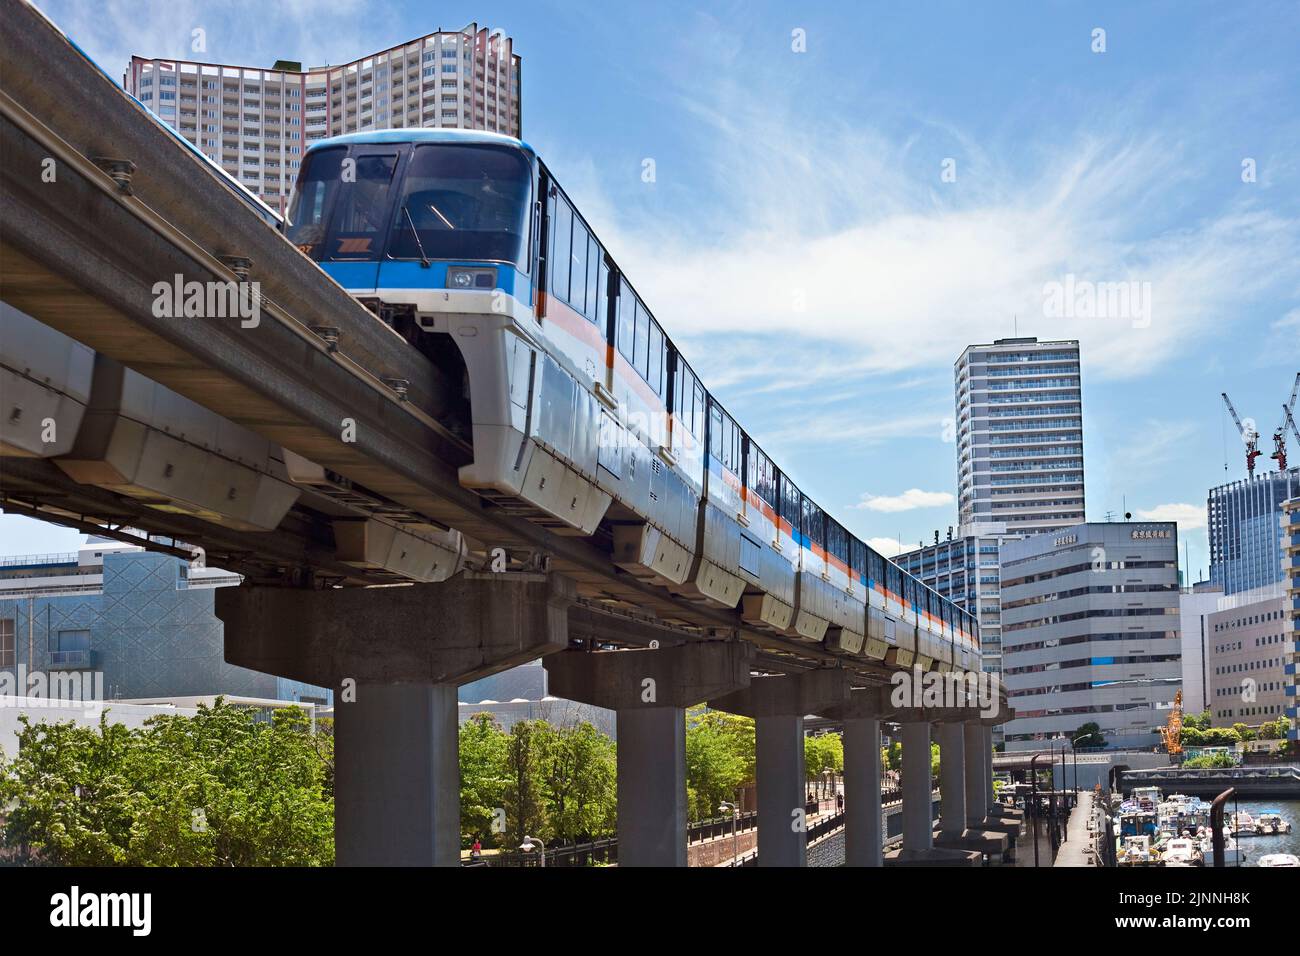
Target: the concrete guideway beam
pixel 649 691
pixel 456 631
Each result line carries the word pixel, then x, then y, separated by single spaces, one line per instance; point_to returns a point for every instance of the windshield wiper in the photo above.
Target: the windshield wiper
pixel 424 260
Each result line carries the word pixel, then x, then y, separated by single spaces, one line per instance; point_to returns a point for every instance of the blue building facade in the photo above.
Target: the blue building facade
pixel 1245 550
pixel 141 622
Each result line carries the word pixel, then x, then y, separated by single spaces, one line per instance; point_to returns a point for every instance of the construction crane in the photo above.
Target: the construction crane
pixel 1249 435
pixel 1294 431
pixel 1172 732
pixel 1279 436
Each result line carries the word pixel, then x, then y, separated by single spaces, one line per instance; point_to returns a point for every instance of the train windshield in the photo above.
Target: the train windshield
pixel 464 202
pixel 340 204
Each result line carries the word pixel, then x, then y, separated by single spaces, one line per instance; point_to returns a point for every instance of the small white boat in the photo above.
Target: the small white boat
pixel 1182 852
pixel 1279 859
pixel 1270 823
pixel 1233 855
pixel 1136 850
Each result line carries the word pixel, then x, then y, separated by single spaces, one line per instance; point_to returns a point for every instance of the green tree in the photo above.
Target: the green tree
pixel 483 775
pixel 823 752
pixel 579 782
pixel 1088 735
pixel 222 788
pixel 1244 732
pixel 719 759
pixel 522 796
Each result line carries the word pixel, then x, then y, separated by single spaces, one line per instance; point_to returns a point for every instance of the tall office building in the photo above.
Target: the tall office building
pixel 1246 658
pixel 255 123
pixel 1195 605
pixel 965 570
pixel 1090 632
pixel 1019 431
pixel 1290 522
pixel 1245 552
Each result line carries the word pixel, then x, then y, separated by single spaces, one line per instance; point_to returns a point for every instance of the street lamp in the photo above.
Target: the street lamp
pixel 532 842
pixel 726 806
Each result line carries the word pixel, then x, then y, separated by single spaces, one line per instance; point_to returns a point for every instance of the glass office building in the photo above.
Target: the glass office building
pixel 1245 553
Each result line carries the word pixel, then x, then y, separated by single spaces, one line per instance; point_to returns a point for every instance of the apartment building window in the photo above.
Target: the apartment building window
pixel 7 654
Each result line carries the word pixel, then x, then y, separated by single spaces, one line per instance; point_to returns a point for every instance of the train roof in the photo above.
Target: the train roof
pixel 422 135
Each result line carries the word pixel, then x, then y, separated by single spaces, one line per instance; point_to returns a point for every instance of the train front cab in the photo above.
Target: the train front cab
pixel 440 232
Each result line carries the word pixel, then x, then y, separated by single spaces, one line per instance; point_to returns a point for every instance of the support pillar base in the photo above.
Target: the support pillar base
pixel 934 856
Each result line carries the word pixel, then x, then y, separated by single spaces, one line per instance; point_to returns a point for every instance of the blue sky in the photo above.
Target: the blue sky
pixel 803 246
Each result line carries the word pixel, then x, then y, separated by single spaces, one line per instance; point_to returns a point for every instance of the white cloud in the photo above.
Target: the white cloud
pixel 909 500
pixel 1189 517
pixel 887 547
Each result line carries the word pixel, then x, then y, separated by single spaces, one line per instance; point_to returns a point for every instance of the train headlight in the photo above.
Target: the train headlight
pixel 462 278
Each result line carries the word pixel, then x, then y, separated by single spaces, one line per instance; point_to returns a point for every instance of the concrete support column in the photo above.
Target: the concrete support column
pixel 863 826
pixel 649 690
pixel 918 822
pixel 987 752
pixel 976 809
pixel 397 776
pixel 779 763
pixel 952 779
pixel 652 787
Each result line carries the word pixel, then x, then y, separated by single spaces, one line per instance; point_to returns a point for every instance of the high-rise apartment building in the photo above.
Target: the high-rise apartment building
pixel 255 123
pixel 1090 632
pixel 1019 432
pixel 1245 551
pixel 1291 567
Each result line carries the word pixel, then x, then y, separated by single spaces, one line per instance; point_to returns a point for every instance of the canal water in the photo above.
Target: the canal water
pixel 1257 846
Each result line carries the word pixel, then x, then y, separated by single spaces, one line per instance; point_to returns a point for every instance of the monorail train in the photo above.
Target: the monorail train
pixel 583 412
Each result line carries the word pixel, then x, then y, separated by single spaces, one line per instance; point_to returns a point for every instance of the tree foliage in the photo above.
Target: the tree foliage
pixel 719 759
pixel 222 788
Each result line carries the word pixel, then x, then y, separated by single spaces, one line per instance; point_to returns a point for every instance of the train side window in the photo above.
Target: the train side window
pixel 875 567
pixel 561 249
pixel 655 370
pixel 812 523
pixel 762 475
pixel 715 432
pixel 857 557
pixel 697 420
pixel 578 257
pixel 790 504
pixel 642 340
pixel 837 541
pixel 594 260
pixel 626 320
pixel 602 292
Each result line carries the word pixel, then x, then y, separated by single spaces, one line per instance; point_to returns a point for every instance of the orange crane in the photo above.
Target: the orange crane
pixel 1279 435
pixel 1172 732
pixel 1249 435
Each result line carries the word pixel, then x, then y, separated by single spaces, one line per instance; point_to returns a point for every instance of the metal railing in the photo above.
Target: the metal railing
pixel 720 826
